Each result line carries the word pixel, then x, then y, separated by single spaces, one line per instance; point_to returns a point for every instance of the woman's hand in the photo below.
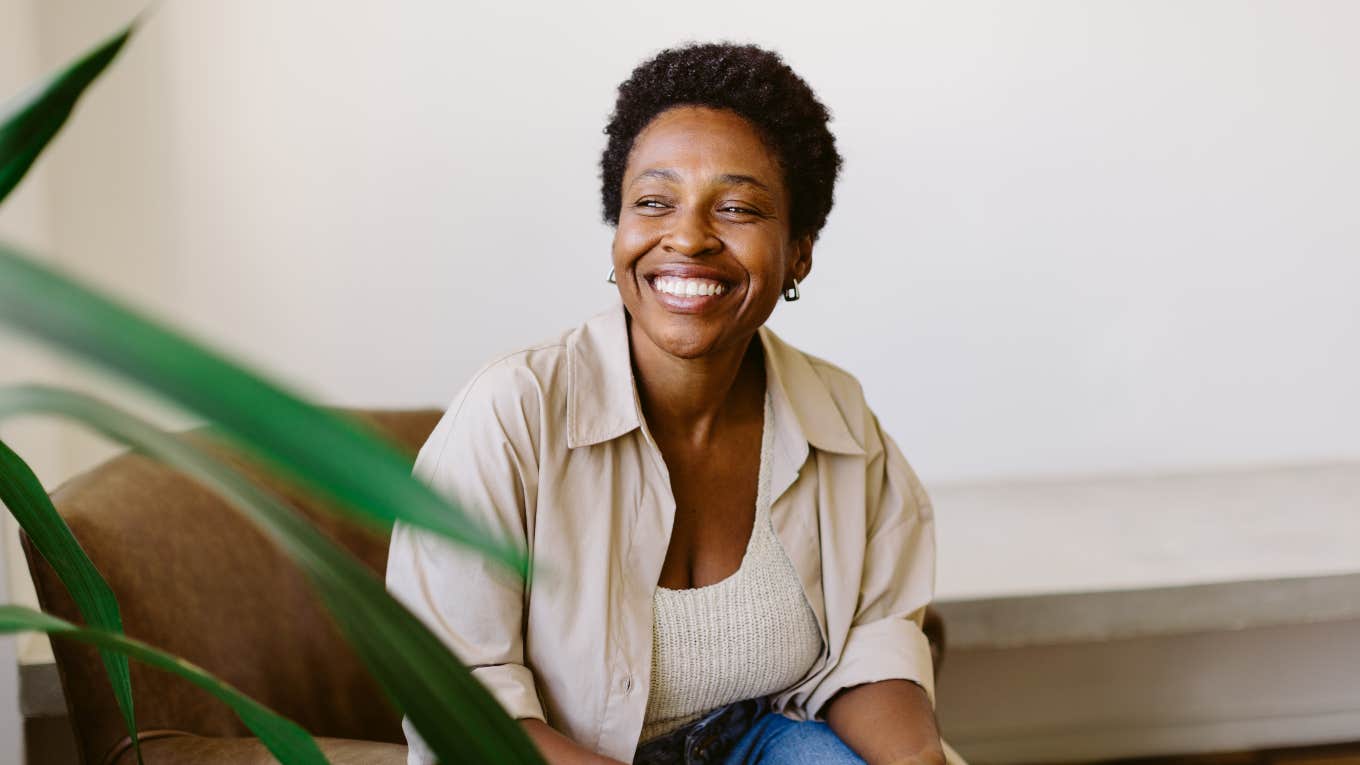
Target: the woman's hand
pixel 889 722
pixel 558 749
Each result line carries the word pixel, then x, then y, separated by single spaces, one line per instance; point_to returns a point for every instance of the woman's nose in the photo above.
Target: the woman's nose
pixel 692 235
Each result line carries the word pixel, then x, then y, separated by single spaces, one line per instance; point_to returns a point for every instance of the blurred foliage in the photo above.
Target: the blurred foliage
pixel 332 456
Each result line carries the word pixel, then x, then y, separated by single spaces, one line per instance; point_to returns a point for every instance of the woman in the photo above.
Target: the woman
pixel 737 559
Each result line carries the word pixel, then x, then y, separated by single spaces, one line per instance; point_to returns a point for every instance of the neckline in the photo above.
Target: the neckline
pixel 762 506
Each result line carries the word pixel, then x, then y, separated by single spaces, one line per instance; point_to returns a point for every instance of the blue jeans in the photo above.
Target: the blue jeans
pixel 748 733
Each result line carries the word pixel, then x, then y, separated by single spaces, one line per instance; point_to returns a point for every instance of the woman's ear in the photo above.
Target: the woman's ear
pixel 802 257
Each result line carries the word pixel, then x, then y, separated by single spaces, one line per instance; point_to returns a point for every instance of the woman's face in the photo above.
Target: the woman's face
pixel 702 251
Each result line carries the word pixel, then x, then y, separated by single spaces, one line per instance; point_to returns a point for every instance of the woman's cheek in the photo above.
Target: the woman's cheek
pixel 631 244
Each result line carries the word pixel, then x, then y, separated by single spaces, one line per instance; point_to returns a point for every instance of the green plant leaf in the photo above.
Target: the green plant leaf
pixel 337 457
pixel 454 713
pixel 31 119
pixel 285 739
pixel 23 494
pixel 28 122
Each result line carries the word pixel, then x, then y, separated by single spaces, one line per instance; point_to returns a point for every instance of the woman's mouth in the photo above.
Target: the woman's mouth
pixel 683 294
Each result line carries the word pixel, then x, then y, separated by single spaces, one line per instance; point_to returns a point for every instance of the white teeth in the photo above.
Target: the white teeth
pixel 682 287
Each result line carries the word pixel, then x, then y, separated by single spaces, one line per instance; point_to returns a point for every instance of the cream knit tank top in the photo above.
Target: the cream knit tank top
pixel 749 635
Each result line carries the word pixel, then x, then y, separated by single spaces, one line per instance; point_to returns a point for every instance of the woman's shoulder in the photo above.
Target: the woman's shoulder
pixel 792 360
pixel 848 394
pixel 506 399
pixel 825 384
pixel 840 383
pixel 816 383
pixel 543 366
pixel 521 370
pixel 512 380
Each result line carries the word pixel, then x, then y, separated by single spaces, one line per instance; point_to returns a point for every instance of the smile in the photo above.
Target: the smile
pixel 688 294
pixel 680 286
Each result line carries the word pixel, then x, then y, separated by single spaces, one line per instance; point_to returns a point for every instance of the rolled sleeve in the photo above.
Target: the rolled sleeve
pixel 885 639
pixel 888 649
pixel 511 684
pixel 513 687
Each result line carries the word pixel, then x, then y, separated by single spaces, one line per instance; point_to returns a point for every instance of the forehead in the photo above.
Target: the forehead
pixel 702 142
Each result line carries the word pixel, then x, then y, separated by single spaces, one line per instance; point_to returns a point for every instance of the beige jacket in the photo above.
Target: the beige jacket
pixel 548 445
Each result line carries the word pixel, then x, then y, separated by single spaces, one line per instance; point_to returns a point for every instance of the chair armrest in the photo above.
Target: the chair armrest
pixel 187 749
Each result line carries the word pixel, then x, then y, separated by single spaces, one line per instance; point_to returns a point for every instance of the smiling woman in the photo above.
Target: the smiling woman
pixel 741 558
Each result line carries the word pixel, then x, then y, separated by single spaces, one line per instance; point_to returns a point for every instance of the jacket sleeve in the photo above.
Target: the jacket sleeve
pixel 482 454
pixel 897 582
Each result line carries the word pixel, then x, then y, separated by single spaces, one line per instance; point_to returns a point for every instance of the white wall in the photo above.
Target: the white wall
pixel 1071 237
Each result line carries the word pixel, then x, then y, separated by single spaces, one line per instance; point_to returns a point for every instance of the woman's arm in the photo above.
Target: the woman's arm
pixel 482 454
pixel 557 749
pixel 889 722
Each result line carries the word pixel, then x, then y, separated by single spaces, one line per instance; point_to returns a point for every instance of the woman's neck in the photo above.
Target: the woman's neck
pixel 694 399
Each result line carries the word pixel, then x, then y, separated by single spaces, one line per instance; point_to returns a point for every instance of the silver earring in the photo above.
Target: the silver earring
pixel 610 278
pixel 791 294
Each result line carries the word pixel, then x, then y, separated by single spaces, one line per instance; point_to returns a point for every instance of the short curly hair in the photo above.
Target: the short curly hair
pixel 752 82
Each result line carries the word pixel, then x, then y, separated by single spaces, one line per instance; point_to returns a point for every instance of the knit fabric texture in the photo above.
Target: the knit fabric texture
pixel 749 635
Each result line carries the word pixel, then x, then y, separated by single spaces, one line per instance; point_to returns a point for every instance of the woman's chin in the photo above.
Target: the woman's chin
pixel 683 336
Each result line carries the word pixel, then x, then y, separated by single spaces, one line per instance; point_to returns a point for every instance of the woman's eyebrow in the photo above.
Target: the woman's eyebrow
pixel 656 172
pixel 732 179
pixel 729 179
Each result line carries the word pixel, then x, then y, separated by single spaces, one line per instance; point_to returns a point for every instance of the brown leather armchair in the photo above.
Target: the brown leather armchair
pixel 196 578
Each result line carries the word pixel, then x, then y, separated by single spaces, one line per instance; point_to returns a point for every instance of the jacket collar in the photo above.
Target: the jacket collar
pixel 602 401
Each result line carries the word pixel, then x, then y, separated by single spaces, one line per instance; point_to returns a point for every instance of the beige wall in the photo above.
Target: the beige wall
pixel 1071 237
pixel 25 220
pixel 83 208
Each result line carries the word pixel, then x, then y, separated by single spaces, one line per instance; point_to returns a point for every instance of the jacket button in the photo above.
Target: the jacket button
pixel 627 684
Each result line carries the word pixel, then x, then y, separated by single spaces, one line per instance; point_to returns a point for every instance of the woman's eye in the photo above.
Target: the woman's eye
pixel 655 204
pixel 740 210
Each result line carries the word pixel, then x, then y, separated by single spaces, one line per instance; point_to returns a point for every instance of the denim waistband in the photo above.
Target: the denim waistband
pixel 706 740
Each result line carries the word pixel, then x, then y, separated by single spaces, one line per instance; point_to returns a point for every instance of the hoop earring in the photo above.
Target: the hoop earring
pixel 791 294
pixel 610 278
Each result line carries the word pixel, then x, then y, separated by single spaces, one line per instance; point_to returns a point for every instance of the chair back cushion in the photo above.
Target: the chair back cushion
pixel 194 577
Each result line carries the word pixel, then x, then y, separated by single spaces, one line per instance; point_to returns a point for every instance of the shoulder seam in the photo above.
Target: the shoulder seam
pixel 453 412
